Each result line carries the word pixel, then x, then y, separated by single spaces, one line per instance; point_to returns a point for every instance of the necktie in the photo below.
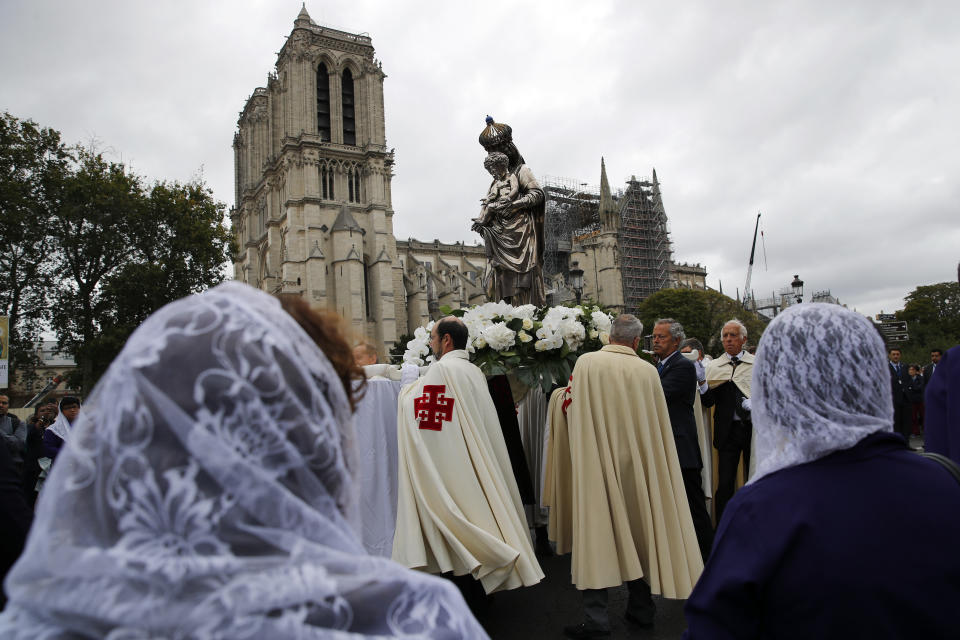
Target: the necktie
pixel 735 361
pixel 660 368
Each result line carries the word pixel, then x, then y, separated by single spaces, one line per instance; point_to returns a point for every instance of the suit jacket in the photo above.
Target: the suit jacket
pixel 728 399
pixel 898 383
pixel 927 372
pixel 679 380
pixel 914 389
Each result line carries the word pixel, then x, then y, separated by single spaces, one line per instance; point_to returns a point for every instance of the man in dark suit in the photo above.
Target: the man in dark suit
pixel 727 388
pixel 898 386
pixel 679 379
pixel 930 368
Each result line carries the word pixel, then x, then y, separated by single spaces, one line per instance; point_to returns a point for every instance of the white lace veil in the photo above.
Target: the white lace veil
pixel 820 384
pixel 204 493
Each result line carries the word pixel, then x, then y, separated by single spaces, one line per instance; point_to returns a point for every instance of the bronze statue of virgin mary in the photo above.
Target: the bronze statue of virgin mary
pixel 514 233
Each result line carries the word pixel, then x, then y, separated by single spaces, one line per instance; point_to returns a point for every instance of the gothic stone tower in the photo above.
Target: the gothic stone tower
pixel 597 252
pixel 313 212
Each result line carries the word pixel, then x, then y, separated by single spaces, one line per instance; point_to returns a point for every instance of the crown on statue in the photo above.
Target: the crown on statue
pixel 495 134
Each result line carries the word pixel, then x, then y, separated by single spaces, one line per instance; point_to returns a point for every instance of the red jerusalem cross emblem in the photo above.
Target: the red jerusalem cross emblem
pixel 433 408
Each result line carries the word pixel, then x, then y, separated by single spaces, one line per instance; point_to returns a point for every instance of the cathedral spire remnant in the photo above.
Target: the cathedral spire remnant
pixel 609 215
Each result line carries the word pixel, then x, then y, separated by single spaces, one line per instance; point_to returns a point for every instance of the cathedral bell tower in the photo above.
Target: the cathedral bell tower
pixel 313 213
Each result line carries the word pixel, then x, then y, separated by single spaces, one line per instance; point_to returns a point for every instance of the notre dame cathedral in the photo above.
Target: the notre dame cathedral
pixel 314 215
pixel 313 212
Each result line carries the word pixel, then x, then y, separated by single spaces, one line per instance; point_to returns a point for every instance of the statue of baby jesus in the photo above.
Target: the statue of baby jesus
pixel 503 190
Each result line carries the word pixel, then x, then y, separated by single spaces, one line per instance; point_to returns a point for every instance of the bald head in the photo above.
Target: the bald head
pixel 448 334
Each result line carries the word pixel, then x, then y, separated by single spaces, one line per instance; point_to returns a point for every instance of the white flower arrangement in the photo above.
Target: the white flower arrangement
pixel 536 346
pixel 498 336
pixel 418 349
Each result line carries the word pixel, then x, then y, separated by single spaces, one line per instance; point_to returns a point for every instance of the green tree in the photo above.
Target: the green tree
pixel 702 314
pixel 32 163
pixel 932 313
pixel 125 251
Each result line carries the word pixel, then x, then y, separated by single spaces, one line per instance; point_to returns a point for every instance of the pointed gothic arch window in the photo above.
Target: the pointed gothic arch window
pixel 323 103
pixel 349 121
pixel 367 294
pixel 353 184
pixel 326 182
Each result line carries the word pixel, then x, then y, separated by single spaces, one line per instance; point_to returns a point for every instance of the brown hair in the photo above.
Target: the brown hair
pixel 324 328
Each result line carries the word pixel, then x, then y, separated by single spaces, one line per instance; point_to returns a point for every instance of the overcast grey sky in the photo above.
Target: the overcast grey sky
pixel 837 120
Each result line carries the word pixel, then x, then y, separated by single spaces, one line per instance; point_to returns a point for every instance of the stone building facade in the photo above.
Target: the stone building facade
pixel 314 214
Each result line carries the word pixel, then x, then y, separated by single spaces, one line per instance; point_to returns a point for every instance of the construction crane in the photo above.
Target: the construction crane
pixel 753 250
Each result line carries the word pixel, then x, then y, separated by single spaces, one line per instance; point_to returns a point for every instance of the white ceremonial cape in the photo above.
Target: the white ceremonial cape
pixel 375 439
pixel 630 517
pixel 458 506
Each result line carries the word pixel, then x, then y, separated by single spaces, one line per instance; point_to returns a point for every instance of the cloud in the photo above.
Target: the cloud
pixel 837 121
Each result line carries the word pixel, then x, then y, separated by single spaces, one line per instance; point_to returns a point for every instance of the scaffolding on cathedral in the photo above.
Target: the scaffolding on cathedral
pixel 570 205
pixel 645 248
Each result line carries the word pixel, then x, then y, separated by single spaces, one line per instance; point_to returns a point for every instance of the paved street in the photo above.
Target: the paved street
pixel 544 610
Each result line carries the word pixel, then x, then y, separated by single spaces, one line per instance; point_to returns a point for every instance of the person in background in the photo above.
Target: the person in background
pixel 630 520
pixel 43 416
pixel 678 376
pixel 727 387
pixel 15 517
pixel 13 433
pixel 935 355
pixel 57 434
pixel 365 354
pixel 914 394
pixel 898 388
pixel 804 550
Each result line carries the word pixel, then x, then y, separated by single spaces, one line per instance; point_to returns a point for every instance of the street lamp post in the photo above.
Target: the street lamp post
pixel 797 285
pixel 576 279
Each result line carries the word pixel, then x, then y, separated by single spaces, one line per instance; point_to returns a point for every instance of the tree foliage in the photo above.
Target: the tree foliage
pixel 702 314
pixel 32 163
pixel 932 313
pixel 112 247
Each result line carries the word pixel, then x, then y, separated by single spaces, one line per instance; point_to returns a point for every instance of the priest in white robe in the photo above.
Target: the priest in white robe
pixel 630 520
pixel 459 508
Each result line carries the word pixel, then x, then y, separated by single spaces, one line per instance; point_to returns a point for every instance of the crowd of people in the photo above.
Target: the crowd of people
pixel 212 486
pixel 908 383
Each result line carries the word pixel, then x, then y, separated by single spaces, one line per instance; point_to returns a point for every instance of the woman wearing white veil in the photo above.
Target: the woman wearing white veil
pixel 814 545
pixel 206 492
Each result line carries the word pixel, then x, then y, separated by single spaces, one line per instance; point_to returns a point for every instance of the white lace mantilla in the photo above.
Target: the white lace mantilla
pixel 820 384
pixel 206 492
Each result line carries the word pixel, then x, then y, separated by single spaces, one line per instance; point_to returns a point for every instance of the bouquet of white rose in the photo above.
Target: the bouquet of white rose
pixel 533 346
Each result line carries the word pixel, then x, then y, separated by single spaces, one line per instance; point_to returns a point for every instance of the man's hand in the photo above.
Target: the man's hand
pixel 746 404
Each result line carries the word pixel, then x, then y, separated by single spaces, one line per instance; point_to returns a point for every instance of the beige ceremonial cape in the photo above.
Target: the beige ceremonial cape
pixel 718 371
pixel 557 487
pixel 458 505
pixel 630 517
